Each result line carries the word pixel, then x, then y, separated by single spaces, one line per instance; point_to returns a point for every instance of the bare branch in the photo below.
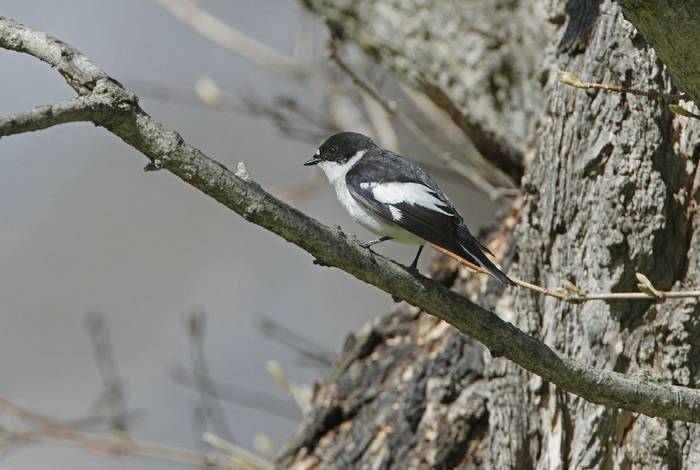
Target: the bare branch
pixel 225 35
pixel 493 147
pixel 166 149
pixel 446 128
pixel 113 396
pixel 572 294
pixel 568 78
pixel 306 347
pixel 79 109
pixel 235 451
pixel 380 120
pixel 44 428
pixel 210 406
pixel 253 399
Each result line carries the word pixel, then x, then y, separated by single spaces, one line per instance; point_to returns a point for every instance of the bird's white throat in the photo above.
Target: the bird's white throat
pixel 335 172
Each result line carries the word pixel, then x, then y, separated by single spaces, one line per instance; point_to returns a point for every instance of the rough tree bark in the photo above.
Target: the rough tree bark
pixel 611 188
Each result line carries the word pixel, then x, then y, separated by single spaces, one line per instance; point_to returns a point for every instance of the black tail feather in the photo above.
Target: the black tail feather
pixel 471 251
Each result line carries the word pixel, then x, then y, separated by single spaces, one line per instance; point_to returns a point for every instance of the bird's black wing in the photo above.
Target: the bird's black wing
pixel 378 171
pixel 399 192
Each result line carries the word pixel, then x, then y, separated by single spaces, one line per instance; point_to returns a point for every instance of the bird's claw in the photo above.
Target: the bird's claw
pixel 366 245
pixel 363 244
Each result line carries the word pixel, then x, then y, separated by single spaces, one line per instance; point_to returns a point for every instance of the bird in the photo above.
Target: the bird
pixel 395 199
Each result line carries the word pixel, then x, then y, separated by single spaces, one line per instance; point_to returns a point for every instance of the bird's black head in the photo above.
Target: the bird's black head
pixel 339 148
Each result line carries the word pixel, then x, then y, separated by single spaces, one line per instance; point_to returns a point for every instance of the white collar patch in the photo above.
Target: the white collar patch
pixel 335 172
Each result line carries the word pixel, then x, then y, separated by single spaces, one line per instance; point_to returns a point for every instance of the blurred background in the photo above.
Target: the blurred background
pixel 134 300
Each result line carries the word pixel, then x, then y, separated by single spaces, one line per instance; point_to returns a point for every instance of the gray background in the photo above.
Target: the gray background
pixel 84 229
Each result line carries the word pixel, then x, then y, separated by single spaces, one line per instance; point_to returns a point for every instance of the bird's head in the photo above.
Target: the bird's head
pixel 340 148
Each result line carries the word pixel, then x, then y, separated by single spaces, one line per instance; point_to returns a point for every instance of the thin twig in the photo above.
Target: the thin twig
pixel 107 366
pixel 568 78
pixel 119 445
pixel 380 120
pixel 445 157
pixel 573 294
pixel 493 146
pixel 237 395
pixel 225 35
pixel 281 111
pixel 301 393
pixel 439 120
pixel 211 409
pixel 234 451
pixel 305 346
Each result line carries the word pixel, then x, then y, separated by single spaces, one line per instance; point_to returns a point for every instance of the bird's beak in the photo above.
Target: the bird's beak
pixel 312 161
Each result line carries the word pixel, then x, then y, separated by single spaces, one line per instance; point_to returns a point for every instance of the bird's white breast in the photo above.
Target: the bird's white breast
pixel 336 173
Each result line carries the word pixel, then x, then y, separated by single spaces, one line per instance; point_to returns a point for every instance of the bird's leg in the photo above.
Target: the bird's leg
pixel 414 265
pixel 374 242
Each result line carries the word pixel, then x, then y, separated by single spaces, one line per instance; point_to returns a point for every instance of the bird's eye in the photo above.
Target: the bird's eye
pixel 332 150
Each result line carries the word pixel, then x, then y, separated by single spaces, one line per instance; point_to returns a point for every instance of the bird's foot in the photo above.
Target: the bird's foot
pixel 370 243
pixel 367 244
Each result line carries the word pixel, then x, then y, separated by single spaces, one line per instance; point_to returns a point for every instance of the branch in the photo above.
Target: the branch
pixel 210 406
pixel 228 37
pixel 305 347
pixel 166 149
pixel 113 396
pixel 44 428
pixel 494 147
pixel 570 79
pixel 574 295
pixel 253 399
pixel 79 109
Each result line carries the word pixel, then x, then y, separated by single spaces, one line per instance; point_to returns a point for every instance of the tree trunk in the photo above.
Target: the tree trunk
pixel 610 189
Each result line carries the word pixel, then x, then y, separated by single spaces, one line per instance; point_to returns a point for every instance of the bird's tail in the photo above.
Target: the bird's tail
pixel 473 253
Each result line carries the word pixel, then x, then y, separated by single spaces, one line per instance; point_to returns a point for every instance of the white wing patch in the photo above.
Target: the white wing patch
pixel 396 213
pixel 415 194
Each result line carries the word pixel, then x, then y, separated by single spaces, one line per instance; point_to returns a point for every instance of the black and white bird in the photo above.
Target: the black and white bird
pixel 393 198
